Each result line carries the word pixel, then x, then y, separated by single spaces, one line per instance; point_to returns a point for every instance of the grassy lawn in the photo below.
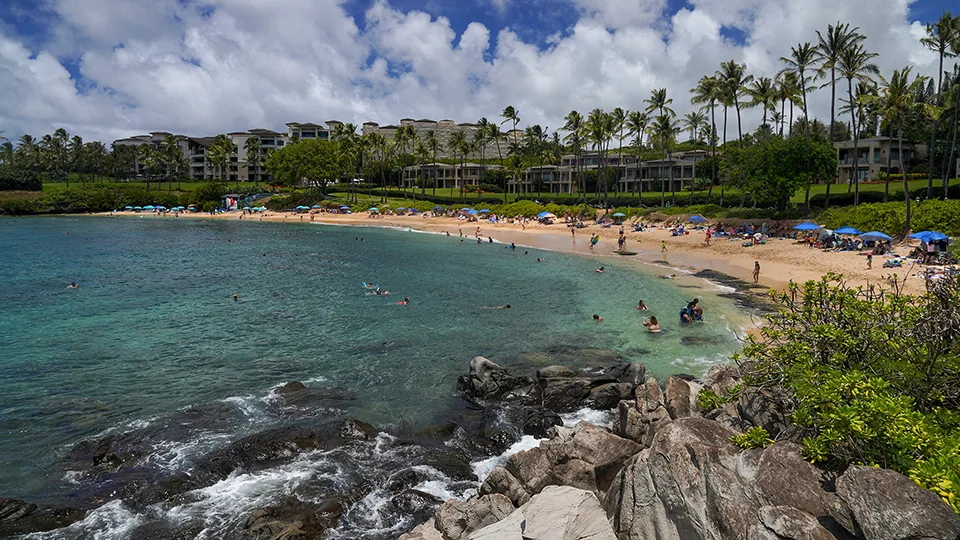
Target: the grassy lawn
pixel 154 186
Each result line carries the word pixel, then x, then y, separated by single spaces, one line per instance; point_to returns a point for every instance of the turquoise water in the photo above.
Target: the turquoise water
pixel 153 327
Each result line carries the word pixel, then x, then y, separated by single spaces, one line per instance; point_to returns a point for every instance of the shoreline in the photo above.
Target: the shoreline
pixel 782 261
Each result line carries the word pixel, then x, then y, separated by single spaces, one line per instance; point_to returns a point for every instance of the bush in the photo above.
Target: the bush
pixel 19 207
pixel 874 377
pixel 17 179
pixel 937 215
pixel 847 199
pixel 755 437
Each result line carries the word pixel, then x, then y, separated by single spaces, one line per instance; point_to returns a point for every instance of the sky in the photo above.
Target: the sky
pixel 107 69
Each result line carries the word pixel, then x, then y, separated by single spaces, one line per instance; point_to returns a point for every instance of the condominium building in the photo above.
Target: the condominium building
pixel 443 130
pixel 446 175
pixel 874 156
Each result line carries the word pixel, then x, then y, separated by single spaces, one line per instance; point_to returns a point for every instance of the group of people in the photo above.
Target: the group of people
pixel 691 312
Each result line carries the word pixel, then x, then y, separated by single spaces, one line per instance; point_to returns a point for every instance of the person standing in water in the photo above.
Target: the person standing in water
pixel 597 318
pixel 652 324
pixel 642 307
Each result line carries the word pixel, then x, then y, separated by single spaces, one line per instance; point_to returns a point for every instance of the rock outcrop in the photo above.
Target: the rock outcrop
pixel 487 380
pixel 456 520
pixel 19 517
pixel 556 513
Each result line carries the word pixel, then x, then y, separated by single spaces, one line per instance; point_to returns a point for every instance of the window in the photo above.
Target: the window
pixel 876 155
pixel 895 154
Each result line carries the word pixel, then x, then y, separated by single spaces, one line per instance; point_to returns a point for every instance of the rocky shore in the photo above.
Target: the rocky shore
pixel 663 468
pixel 667 470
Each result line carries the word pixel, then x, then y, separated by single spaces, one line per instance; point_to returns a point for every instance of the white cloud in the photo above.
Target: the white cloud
pixel 158 65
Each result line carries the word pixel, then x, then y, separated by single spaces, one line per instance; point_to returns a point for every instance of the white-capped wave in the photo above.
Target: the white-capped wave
pixel 483 467
pixel 110 521
pixel 595 417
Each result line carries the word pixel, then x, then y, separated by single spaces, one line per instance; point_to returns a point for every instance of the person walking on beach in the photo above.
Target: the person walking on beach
pixel 869 261
pixel 663 246
pixel 756 271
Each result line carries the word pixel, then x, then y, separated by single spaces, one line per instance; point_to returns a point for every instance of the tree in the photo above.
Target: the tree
pixel 599 127
pixel 422 153
pixel 457 145
pixel 496 136
pixel 253 148
pixel 954 100
pixel 315 160
pixel 692 121
pixel 433 144
pixel 378 144
pixel 803 57
pixel 708 91
pixel 636 126
pixel 735 79
pixel 940 37
pixel 220 154
pixel 897 99
pixel 664 131
pixel 619 117
pixel 481 136
pixel 574 127
pixel 763 94
pixel 510 114
pixel 854 63
pixel 74 156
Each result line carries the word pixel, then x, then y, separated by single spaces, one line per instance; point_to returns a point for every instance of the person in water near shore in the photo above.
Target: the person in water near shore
pixel 73 285
pixel 404 302
pixel 664 276
pixel 600 270
pixel 597 318
pixel 652 324
pixel 539 259
pixel 505 306
pixel 692 304
pixel 697 313
pixel 641 306
pixel 236 298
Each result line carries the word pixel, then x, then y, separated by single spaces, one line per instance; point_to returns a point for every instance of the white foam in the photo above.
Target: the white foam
pixel 318 379
pixel 176 456
pixel 112 520
pixel 248 405
pixel 483 467
pixel 595 417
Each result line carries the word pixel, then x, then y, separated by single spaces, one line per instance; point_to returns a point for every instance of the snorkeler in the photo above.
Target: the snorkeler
pixel 404 302
pixel 664 276
pixel 73 285
pixel 600 270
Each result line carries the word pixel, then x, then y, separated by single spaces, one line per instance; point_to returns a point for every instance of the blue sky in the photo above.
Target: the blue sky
pixel 218 65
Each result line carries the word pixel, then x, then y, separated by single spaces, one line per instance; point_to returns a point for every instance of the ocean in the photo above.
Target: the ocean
pixel 152 348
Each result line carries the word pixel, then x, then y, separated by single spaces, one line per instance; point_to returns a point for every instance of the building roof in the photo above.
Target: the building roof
pixel 427 121
pixel 331 122
pixel 202 141
pixel 264 131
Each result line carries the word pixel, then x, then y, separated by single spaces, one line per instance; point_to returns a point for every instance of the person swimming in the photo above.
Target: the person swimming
pixel 597 318
pixel 505 306
pixel 664 276
pixel 652 324
pixel 600 270
pixel 73 285
pixel 641 306
pixel 236 298
pixel 404 302
pixel 685 316
pixel 378 292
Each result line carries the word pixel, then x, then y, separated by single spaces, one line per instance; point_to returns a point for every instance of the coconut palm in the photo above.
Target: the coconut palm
pixel 421 152
pixel 636 126
pixel 735 80
pixel 619 125
pixel 707 92
pixel 953 99
pixel 599 126
pixel 74 156
pixel 434 145
pixel 787 90
pixel 762 93
pixel 574 126
pixel 940 37
pixel 457 144
pixel 253 148
pixel 692 122
pixel 510 114
pixel 377 144
pixel 534 139
pixel 664 131
pixel 854 64
pixel 803 57
pixel 658 101
pixel 897 99
pixel 481 136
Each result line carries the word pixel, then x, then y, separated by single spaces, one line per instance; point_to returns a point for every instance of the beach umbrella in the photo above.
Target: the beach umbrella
pixel 619 214
pixel 316 206
pixel 485 211
pixel 873 236
pixel 847 230
pixel 929 236
pixel 149 207
pixel 401 209
pixel 344 207
pixel 128 208
pixel 435 208
pixel 544 215
pixel 465 209
pixel 374 209
pixel 472 213
pixel 246 207
pixel 697 219
pixel 807 226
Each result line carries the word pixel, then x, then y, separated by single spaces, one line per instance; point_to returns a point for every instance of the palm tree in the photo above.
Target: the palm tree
pixel 954 99
pixel 664 130
pixel 636 126
pixel 575 138
pixel 495 136
pixel 533 139
pixel 803 57
pixel 787 90
pixel 693 121
pixel 378 144
pixel 897 99
pixel 421 153
pixel 735 79
pixel 940 37
pixel 74 155
pixel 599 126
pixel 659 102
pixel 480 138
pixel 708 92
pixel 456 144
pixel 762 93
pixel 220 153
pixel 619 124
pixel 855 63
pixel 253 148
pixel 434 145
pixel 510 114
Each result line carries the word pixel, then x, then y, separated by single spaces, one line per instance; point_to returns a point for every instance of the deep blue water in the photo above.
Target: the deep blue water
pixel 153 327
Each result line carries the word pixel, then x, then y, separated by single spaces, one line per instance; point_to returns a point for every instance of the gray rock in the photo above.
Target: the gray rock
pixel 678 397
pixel 456 519
pixel 538 421
pixel 606 396
pixel 649 396
pixel 557 513
pixel 501 481
pixel 532 469
pixel 638 424
pixel 19 517
pixel 294 520
pixel 721 378
pixel 886 505
pixel 791 524
pixel 769 408
pixel 488 380
pixel 633 507
pixel 555 372
pixel 602 451
pixel 424 531
pixel 565 394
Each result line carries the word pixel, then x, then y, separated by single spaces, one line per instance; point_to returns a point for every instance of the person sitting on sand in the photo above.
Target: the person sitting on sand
pixel 642 307
pixel 600 270
pixel 652 324
pixel 597 318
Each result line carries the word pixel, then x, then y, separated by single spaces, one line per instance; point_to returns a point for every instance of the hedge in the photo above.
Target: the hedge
pixel 934 215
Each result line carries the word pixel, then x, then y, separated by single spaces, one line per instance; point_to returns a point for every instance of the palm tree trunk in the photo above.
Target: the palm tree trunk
pixel 906 183
pixel 950 162
pixel 856 151
pixel 886 181
pixel 806 137
pixel 933 132
pixel 739 125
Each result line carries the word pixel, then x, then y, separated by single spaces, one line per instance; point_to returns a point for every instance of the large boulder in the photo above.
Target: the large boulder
pixel 633 506
pixel 564 394
pixel 456 519
pixel 766 407
pixel 537 422
pixel 501 481
pixel 557 513
pixel 424 531
pixel 680 397
pixel 607 396
pixel 19 517
pixel 639 419
pixel 555 372
pixel 488 380
pixel 886 505
pixel 293 520
pixel 786 523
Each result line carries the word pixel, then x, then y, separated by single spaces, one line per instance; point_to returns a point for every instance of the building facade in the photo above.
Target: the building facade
pixel 446 175
pixel 443 130
pixel 874 156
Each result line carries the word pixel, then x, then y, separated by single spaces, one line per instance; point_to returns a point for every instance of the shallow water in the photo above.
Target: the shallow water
pixel 153 329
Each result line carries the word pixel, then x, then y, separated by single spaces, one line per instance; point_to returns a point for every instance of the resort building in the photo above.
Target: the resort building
pixel 446 175
pixel 443 130
pixel 874 156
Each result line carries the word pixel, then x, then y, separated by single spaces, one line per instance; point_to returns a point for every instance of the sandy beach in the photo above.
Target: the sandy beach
pixel 781 260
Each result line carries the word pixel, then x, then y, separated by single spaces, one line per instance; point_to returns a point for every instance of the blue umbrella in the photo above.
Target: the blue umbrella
pixel 619 214
pixel 485 211
pixel 438 208
pixel 929 236
pixel 316 206
pixel 149 207
pixel 472 213
pixel 246 207
pixel 138 208
pixel 807 226
pixel 464 209
pixel 128 208
pixel 847 230
pixel 374 209
pixel 697 219
pixel 344 207
pixel 873 236
pixel 401 209
pixel 544 214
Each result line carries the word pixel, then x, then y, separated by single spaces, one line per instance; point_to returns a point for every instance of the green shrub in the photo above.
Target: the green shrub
pixel 17 179
pixel 755 437
pixel 943 216
pixel 19 207
pixel 710 400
